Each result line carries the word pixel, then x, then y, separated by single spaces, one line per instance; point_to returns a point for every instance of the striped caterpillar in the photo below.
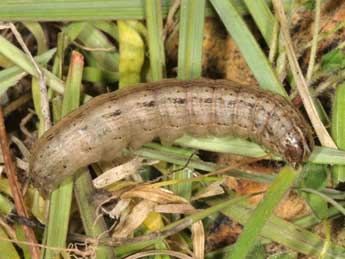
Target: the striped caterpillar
pixel 103 127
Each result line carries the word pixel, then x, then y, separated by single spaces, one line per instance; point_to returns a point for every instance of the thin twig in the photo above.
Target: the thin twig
pixel 41 79
pixel 314 42
pixel 301 84
pixel 15 189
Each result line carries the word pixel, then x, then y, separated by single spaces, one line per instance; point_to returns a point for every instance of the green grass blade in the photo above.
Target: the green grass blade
pixel 109 27
pixel 263 17
pixel 282 232
pixel 20 59
pixel 154 23
pixel 10 76
pixel 7 248
pixel 263 212
pixel 320 155
pixel 338 129
pixel 248 46
pixel 62 197
pixel 95 39
pixel 94 226
pixel 77 10
pixel 36 29
pixel 190 39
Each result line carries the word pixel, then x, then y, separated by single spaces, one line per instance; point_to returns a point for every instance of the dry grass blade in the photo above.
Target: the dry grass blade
pixel 158 195
pixel 175 208
pixel 159 252
pixel 134 219
pixel 198 238
pixel 314 41
pixel 302 86
pixel 117 173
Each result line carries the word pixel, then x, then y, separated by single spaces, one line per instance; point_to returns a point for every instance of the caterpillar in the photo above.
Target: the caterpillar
pixel 100 129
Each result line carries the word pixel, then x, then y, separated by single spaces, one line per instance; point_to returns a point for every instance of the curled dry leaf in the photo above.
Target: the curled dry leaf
pixel 154 194
pixel 211 190
pixel 175 208
pixel 198 238
pixel 134 219
pixel 118 173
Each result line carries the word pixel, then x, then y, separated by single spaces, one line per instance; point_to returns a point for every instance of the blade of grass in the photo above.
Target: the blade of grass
pixel 36 29
pixel 94 226
pixel 20 59
pixel 248 46
pixel 7 248
pixel 96 75
pixel 190 39
pixel 76 10
pixel 109 27
pixel 263 212
pixel 94 39
pixel 154 23
pixel 182 159
pixel 283 232
pixel 10 76
pixel 320 155
pixel 338 129
pixel 62 197
pixel 263 17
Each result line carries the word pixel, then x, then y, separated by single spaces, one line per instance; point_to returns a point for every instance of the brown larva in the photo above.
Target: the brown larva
pixel 107 124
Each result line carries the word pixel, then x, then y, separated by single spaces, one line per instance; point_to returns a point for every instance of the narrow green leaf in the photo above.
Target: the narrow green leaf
pixel 101 48
pixel 154 23
pixel 109 27
pixel 36 29
pixel 263 212
pixel 320 155
pixel 6 247
pixel 190 39
pixel 96 75
pixel 285 233
pixel 338 129
pixel 183 189
pixel 62 197
pixel 22 60
pixel 251 51
pixel 6 206
pixel 10 76
pixel 94 226
pixel 263 17
pixel 76 10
